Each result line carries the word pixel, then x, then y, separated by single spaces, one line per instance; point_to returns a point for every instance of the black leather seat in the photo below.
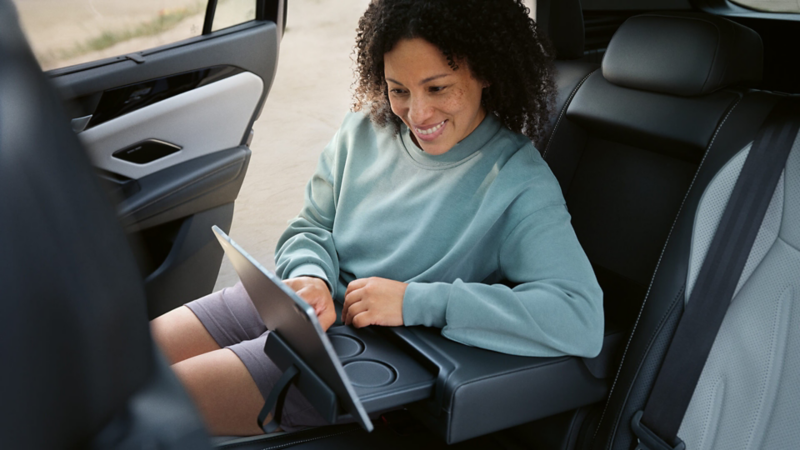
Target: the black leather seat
pixel 629 142
pixel 671 97
pixel 745 397
pixel 626 147
pixel 79 367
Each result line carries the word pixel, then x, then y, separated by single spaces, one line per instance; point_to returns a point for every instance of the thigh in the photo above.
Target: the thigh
pixel 229 387
pixel 180 335
pixel 297 411
pixel 229 315
pixel 219 319
pixel 223 391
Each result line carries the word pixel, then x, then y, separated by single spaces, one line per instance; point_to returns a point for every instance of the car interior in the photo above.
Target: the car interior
pixel 112 175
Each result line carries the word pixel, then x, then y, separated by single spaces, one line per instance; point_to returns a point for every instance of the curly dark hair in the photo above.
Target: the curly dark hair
pixel 497 40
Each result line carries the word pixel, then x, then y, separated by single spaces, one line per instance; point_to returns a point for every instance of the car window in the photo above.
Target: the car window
pixel 67 32
pixel 531 4
pixel 785 6
pixel 233 12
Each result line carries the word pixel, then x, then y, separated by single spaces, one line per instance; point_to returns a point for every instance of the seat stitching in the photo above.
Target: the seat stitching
pixel 655 272
pixel 563 111
pixel 675 301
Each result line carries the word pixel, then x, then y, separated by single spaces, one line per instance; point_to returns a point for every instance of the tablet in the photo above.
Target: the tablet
pixel 288 315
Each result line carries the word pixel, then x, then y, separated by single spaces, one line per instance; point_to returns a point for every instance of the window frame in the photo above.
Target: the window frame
pixel 266 10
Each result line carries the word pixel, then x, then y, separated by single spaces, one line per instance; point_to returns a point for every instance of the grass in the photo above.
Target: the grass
pixel 165 21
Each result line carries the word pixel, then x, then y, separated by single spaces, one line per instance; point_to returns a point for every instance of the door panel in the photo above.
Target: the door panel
pixel 196 185
pixel 179 119
pixel 225 107
pixel 178 278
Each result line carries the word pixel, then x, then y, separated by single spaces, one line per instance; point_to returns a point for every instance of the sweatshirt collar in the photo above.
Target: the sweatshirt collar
pixel 460 152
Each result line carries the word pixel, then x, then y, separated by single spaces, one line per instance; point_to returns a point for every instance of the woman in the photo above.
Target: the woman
pixel 419 208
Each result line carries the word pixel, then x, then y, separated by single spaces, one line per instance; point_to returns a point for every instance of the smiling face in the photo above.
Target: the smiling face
pixel 440 106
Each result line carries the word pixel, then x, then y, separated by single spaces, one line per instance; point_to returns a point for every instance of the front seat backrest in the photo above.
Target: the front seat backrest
pixel 75 339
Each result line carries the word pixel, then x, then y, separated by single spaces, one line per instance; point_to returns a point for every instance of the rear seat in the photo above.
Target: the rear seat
pixel 626 144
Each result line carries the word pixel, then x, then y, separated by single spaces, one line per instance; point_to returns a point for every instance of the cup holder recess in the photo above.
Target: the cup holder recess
pixel 369 373
pixel 346 346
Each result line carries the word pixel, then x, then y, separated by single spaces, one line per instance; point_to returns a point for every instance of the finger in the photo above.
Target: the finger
pixel 354 310
pixel 349 299
pixel 293 284
pixel 356 284
pixel 362 320
pixel 314 298
pixel 327 319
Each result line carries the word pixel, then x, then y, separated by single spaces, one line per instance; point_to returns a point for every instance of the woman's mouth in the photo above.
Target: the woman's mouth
pixel 430 133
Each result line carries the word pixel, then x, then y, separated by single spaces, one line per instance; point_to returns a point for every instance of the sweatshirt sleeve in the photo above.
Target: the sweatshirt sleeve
pixel 556 307
pixel 306 247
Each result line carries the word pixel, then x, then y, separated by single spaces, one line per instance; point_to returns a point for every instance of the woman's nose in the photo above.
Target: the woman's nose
pixel 419 111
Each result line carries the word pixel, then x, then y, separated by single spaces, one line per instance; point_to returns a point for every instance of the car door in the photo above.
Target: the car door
pixel 168 130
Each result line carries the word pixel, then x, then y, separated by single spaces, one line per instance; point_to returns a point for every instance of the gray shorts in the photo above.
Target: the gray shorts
pixel 232 320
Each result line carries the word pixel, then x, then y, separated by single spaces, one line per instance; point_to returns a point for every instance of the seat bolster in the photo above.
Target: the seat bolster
pixel 570 75
pixel 664 303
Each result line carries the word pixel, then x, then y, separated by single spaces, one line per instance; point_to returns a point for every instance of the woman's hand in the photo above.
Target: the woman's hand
pixel 374 301
pixel 315 292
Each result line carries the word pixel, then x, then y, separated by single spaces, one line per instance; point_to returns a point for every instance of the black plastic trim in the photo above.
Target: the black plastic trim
pixel 209 19
pixel 181 190
pixel 146 151
pixel 122 100
pixel 125 63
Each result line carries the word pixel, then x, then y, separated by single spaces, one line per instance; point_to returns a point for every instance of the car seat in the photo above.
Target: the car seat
pixel 80 369
pixel 746 396
pixel 670 105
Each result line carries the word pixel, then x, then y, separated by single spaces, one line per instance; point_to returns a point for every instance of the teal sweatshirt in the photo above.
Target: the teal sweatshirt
pixel 453 226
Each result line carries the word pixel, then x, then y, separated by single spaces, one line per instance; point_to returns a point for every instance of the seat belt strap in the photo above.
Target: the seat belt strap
pixel 717 280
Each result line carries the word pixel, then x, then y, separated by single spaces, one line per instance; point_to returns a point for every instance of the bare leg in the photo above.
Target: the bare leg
pixel 223 391
pixel 181 335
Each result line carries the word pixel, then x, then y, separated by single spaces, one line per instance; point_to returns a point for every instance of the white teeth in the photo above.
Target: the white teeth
pixel 430 130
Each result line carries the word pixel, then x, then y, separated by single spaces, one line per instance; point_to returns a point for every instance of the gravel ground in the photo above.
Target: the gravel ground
pixel 309 98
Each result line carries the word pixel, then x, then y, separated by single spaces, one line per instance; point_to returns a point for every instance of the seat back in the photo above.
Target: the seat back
pixel 746 396
pixel 76 349
pixel 627 145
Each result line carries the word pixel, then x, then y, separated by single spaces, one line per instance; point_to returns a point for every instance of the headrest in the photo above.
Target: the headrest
pixel 682 54
pixel 562 22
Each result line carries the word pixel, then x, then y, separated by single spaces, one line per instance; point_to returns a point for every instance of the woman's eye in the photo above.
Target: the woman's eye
pixel 397 91
pixel 435 89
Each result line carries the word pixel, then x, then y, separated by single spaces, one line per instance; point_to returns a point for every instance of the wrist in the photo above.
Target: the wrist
pixel 321 282
pixel 310 270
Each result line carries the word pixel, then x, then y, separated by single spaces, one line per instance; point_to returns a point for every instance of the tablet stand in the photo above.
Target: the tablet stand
pixel 297 372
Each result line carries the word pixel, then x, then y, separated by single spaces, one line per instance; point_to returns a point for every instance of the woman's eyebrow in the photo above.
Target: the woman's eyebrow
pixel 435 77
pixel 426 80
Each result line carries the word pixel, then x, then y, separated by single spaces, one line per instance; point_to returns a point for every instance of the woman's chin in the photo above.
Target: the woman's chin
pixel 437 146
pixel 435 150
